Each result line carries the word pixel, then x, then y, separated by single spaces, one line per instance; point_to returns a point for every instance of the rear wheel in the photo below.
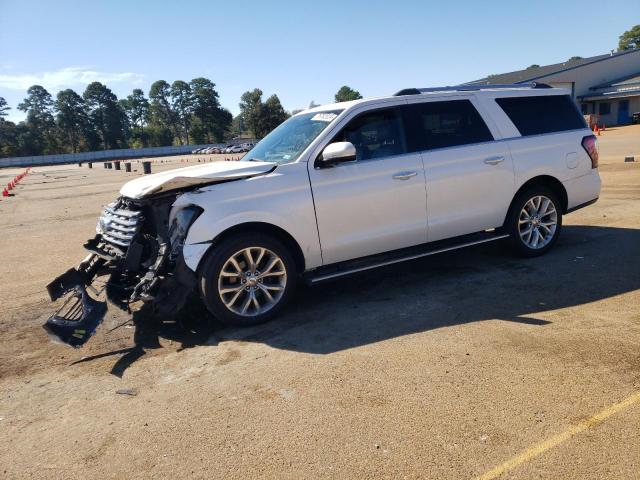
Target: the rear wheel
pixel 247 280
pixel 534 221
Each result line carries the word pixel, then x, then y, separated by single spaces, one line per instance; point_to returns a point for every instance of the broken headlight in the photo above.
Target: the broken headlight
pixel 180 226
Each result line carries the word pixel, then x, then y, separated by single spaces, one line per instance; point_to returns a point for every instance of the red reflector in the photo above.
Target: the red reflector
pixel 590 144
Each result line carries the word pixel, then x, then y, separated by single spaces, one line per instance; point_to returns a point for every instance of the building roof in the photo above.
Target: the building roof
pixel 624 87
pixel 535 73
pixel 628 86
pixel 608 95
pixel 628 80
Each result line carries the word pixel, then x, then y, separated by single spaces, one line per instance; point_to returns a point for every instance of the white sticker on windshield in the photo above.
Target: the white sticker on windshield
pixel 324 117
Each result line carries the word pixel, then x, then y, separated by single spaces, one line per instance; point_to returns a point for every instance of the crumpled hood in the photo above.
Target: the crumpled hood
pixel 207 173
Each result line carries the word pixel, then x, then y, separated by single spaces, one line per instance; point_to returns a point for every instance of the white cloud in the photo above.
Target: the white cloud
pixel 66 78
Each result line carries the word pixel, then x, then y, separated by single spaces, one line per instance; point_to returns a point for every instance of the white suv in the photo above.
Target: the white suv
pixel 339 189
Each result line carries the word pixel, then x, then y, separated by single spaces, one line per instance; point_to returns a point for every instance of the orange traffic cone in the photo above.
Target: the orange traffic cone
pixel 596 130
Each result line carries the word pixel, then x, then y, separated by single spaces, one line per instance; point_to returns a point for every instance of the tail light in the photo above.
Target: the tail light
pixel 590 144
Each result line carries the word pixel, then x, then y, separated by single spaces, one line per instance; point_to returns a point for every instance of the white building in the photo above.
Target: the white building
pixel 605 85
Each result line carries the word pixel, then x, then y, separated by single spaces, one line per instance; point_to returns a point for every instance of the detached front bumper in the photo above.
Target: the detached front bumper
pixel 80 314
pixel 133 248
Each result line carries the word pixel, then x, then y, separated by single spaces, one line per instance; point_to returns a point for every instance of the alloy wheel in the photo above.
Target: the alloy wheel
pixel 537 222
pixel 252 281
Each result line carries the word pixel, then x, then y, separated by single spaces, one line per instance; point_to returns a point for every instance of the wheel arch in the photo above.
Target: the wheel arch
pixel 264 228
pixel 547 181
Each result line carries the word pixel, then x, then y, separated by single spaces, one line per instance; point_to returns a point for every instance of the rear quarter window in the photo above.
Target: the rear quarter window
pixel 542 114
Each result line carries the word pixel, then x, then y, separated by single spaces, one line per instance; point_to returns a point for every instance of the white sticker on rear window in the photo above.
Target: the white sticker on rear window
pixel 324 117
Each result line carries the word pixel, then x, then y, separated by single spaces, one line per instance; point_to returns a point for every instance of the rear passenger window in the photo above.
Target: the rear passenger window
pixel 543 114
pixel 445 124
pixel 375 134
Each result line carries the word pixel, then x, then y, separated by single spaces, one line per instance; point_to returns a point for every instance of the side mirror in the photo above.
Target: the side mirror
pixel 337 152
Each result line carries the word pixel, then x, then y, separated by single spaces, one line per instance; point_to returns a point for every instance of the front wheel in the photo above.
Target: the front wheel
pixel 247 280
pixel 534 221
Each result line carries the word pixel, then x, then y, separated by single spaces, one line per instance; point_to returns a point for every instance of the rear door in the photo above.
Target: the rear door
pixel 469 176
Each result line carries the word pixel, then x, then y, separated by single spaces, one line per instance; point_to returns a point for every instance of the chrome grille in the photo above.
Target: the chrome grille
pixel 118 225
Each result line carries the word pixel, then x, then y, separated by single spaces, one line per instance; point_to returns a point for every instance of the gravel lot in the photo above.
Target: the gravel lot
pixel 456 366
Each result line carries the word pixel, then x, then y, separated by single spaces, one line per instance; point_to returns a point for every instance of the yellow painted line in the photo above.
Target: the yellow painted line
pixel 556 440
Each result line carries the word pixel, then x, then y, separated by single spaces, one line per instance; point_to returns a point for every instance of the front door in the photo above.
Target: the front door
pixel 623 112
pixel 376 203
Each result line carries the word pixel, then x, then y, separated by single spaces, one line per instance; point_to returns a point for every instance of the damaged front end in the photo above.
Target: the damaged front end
pixel 139 251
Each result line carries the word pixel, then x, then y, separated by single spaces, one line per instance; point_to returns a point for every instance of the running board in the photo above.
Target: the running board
pixel 382 260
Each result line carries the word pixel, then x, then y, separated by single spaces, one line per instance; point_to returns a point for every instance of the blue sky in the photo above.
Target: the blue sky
pixel 300 50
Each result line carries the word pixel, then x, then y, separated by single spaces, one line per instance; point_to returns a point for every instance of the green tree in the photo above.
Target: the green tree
pixel 162 114
pixel 136 108
pixel 346 94
pixel 237 126
pixel 198 132
pixel 205 101
pixel 251 110
pixel 272 115
pixel 106 115
pixel 630 39
pixel 41 134
pixel 222 125
pixel 72 119
pixel 257 117
pixel 182 106
pixel 8 139
pixel 4 108
pixel 159 135
pixel 127 126
pixel 19 140
pixel 213 121
pixel 38 105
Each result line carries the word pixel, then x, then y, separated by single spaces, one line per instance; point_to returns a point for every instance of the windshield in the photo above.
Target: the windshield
pixel 288 141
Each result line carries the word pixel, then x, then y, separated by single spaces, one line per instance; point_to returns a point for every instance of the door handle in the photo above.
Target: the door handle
pixel 494 160
pixel 404 175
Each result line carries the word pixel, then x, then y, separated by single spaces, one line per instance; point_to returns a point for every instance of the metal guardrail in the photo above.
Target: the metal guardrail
pixel 102 155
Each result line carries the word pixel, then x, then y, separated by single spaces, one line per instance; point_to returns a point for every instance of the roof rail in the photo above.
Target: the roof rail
pixel 469 88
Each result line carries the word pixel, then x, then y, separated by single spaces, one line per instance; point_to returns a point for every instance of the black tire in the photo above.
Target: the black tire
pixel 512 222
pixel 217 257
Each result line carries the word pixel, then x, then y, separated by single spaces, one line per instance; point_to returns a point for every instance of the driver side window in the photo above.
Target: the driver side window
pixel 375 134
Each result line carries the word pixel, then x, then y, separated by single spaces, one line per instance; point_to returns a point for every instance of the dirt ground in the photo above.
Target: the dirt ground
pixel 457 366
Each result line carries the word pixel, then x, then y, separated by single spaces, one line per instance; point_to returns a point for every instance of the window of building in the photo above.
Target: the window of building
pixel 444 124
pixel 542 114
pixel 375 134
pixel 604 108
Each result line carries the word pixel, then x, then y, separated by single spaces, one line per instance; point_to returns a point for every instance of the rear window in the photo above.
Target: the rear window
pixel 544 114
pixel 445 124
